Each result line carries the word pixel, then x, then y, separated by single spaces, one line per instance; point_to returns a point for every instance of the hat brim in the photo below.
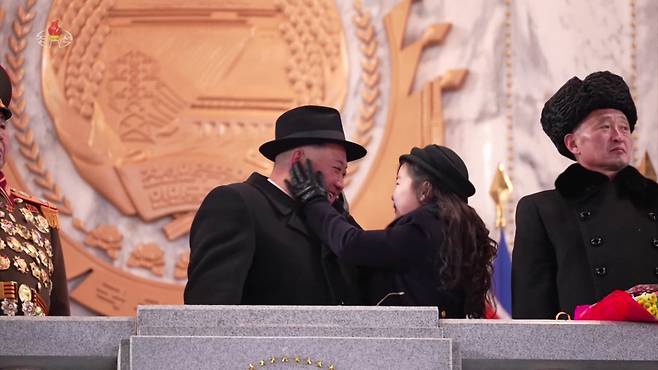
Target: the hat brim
pixel 273 148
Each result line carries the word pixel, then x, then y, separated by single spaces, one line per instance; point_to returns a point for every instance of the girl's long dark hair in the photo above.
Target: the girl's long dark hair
pixel 464 259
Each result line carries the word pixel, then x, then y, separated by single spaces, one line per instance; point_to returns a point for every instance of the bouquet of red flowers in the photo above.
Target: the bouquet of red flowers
pixel 640 303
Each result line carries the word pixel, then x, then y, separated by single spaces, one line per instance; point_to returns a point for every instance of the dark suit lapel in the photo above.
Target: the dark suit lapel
pixel 281 202
pixel 295 222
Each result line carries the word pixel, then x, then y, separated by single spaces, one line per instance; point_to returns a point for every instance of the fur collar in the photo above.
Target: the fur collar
pixel 577 181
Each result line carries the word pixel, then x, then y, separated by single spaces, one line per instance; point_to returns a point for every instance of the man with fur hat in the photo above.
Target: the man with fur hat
pixel 597 230
pixel 249 243
pixel 32 276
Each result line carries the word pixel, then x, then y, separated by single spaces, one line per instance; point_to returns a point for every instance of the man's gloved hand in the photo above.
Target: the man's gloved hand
pixel 305 184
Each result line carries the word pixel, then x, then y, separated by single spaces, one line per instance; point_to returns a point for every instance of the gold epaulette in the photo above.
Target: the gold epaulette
pixel 48 210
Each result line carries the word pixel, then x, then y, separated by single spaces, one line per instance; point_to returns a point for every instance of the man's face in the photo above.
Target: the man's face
pixel 602 142
pixel 331 160
pixel 4 142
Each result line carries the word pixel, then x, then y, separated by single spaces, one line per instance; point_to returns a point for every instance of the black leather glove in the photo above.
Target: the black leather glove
pixel 305 184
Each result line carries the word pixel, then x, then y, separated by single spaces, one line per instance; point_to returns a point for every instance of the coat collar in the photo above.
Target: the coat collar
pixel 578 181
pixel 280 201
pixel 427 211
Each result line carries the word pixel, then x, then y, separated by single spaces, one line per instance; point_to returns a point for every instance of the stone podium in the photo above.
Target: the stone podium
pixel 338 338
pixel 281 337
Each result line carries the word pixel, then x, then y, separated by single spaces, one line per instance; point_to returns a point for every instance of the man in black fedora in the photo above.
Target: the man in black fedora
pixel 597 230
pixel 32 274
pixel 249 243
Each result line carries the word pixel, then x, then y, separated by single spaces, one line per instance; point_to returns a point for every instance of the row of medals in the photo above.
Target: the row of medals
pixel 41 265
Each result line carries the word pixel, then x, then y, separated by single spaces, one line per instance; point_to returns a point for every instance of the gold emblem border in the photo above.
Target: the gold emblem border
pixel 29 149
pixel 370 80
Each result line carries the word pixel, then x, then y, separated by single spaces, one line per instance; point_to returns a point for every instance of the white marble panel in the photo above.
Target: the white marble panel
pixel 646 97
pixel 554 41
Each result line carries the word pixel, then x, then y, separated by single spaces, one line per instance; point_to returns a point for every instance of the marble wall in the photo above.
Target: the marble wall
pixel 550 43
pixel 518 51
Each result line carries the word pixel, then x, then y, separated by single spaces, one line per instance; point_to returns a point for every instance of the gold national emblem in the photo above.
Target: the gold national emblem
pixel 162 123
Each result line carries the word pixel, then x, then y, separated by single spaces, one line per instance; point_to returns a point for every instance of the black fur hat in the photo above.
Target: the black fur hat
pixel 564 111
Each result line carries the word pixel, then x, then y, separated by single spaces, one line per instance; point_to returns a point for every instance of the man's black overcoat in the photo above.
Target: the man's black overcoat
pixel 249 245
pixel 579 242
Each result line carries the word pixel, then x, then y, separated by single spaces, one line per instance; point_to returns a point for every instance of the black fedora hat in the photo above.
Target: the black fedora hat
pixel 444 167
pixel 5 94
pixel 309 124
pixel 577 98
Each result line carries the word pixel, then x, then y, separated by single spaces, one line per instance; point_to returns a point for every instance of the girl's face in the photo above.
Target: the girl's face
pixel 404 196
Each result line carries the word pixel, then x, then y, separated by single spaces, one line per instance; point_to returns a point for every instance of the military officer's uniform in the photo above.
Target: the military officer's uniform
pixel 32 274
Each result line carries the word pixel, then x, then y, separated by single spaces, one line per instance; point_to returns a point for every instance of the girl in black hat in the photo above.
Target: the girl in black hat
pixel 437 252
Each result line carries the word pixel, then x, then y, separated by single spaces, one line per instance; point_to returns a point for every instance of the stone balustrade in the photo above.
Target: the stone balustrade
pixel 287 337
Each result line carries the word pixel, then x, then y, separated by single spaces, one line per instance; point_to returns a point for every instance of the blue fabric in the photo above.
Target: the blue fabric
pixel 502 276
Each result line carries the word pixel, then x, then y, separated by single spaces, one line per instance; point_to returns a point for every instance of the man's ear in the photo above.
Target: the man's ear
pixel 297 155
pixel 571 144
